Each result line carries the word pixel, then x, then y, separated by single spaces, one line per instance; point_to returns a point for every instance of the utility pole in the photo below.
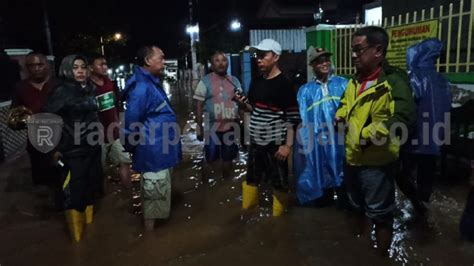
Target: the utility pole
pixel 102 50
pixel 193 42
pixel 47 30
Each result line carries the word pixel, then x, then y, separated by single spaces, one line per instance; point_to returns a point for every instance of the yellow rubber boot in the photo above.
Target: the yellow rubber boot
pixel 75 222
pixel 89 213
pixel 249 196
pixel 280 202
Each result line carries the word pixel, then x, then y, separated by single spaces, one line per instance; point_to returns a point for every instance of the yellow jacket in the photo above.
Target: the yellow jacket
pixel 374 118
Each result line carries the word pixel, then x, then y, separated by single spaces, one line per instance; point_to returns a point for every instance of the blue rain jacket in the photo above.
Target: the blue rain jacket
pixel 149 114
pixel 432 95
pixel 319 154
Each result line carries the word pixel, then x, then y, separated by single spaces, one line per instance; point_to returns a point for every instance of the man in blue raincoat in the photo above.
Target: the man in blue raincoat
pixel 151 133
pixel 319 153
pixel 433 100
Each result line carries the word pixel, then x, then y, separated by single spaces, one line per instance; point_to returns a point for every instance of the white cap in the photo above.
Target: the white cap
pixel 268 45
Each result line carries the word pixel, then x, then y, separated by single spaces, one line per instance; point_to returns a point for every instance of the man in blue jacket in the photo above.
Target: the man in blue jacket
pixel 319 159
pixel 151 133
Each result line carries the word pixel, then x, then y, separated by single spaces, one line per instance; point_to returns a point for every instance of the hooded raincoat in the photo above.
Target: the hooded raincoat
pixel 432 96
pixel 319 154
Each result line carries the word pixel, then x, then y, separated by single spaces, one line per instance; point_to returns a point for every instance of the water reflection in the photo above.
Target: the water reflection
pixel 404 249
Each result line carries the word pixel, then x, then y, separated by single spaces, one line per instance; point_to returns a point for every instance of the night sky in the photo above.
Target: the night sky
pixel 158 21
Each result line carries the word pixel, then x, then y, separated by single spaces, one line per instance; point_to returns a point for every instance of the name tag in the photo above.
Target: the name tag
pixel 106 101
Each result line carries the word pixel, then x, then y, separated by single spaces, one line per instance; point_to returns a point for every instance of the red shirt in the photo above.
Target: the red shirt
pixel 368 81
pixel 32 98
pixel 108 113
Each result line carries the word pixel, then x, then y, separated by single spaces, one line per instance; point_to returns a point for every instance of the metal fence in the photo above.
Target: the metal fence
pixel 293 40
pixel 455 30
pixel 12 143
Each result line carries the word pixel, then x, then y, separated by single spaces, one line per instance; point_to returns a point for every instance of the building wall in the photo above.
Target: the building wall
pixel 293 40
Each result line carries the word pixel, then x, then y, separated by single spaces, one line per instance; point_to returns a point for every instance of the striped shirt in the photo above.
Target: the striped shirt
pixel 274 110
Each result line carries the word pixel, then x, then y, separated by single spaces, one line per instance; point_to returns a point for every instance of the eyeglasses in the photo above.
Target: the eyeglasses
pixel 360 51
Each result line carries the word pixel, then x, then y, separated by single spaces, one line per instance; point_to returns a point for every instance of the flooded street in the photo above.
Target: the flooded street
pixel 207 226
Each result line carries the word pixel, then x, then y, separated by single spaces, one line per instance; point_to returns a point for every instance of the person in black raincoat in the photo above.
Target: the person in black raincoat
pixel 78 153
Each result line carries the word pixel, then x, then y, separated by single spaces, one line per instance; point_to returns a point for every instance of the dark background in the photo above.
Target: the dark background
pixel 76 26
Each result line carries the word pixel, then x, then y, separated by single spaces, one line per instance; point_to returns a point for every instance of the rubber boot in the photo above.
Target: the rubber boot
pixel 75 222
pixel 89 214
pixel 249 196
pixel 280 202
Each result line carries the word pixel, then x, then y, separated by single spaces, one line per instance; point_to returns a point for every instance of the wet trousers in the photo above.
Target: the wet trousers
pixel 43 171
pixel 416 175
pixel 371 190
pixel 156 194
pixel 80 179
pixel 263 166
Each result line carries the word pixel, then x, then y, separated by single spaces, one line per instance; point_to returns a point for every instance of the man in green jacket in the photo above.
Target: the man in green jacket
pixel 376 108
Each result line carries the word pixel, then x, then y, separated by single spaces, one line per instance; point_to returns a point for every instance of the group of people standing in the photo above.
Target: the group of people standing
pixel 81 95
pixel 347 145
pixel 338 130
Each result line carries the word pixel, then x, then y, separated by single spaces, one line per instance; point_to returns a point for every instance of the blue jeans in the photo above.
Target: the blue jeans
pixel 371 190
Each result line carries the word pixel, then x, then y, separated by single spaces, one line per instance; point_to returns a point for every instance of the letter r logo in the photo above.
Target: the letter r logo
pixel 45 135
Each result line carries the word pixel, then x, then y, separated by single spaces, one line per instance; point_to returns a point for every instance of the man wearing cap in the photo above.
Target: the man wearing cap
pixel 319 157
pixel 274 114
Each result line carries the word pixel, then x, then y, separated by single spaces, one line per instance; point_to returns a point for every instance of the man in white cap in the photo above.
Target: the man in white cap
pixel 274 115
pixel 319 157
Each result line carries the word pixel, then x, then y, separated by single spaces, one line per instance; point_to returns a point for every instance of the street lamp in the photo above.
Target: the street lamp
pixel 318 16
pixel 116 37
pixel 235 25
pixel 193 31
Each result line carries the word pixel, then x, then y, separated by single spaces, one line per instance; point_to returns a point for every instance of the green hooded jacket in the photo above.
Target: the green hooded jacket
pixel 377 118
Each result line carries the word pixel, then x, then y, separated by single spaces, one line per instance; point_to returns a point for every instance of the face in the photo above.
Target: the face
pixel 37 67
pixel 365 57
pixel 220 64
pixel 156 62
pixel 99 67
pixel 266 60
pixel 79 69
pixel 322 65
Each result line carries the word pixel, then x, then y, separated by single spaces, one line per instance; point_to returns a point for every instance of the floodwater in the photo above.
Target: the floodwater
pixel 207 227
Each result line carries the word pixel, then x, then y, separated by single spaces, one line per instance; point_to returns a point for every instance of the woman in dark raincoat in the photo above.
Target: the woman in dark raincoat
pixel 78 153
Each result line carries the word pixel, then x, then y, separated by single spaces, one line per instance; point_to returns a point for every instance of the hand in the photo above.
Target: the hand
pixel 56 158
pixel 241 100
pixel 283 152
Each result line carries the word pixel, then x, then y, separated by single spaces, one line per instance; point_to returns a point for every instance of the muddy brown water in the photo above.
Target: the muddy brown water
pixel 207 227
